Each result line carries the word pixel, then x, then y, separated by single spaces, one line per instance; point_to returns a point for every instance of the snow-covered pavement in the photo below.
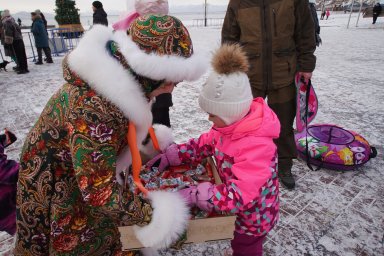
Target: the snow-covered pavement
pixel 329 212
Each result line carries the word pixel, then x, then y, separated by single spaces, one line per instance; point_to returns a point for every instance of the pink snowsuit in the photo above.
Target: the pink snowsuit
pixel 245 155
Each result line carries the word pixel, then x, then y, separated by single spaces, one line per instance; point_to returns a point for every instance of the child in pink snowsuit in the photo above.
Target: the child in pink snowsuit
pixel 241 142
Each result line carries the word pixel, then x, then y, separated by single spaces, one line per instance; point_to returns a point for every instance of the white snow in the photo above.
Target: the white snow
pixel 329 213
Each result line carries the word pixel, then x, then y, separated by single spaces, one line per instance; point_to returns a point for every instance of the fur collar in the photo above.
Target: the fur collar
pixel 92 62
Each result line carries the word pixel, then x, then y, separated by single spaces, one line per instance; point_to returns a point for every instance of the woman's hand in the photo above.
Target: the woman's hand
pixel 166 87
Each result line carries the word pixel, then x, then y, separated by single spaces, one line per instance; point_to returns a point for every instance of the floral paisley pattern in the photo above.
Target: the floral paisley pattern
pixel 68 201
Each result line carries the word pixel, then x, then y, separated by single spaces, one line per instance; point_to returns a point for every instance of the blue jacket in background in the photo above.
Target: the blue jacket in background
pixel 39 32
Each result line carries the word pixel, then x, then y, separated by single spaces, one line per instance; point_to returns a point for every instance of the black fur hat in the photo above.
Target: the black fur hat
pixel 97 4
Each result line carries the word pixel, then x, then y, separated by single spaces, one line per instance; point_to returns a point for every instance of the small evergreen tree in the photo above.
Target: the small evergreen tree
pixel 66 12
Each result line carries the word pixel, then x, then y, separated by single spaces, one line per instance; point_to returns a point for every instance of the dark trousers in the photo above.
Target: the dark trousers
pixel 47 52
pixel 160 109
pixel 245 245
pixel 21 56
pixel 161 116
pixel 283 102
pixel 375 18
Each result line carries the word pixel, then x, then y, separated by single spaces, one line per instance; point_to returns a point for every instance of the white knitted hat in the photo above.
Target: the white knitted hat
pixel 227 91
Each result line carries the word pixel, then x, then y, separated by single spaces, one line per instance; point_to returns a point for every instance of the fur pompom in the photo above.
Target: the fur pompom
pixel 230 58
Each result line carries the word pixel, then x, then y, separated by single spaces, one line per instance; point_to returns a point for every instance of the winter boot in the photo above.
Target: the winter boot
pixel 228 252
pixel 39 62
pixel 286 178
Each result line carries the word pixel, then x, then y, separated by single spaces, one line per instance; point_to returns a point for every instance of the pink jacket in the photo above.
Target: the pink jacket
pixel 246 160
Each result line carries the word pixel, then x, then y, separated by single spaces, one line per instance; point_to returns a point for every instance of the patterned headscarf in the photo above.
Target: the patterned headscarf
pixel 161 34
pixel 158 34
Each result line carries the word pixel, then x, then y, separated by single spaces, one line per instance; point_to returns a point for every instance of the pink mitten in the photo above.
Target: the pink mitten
pixel 189 195
pixel 170 157
pixel 204 193
pixel 199 196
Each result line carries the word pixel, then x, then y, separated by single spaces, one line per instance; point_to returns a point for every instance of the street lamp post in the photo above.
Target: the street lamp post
pixel 205 13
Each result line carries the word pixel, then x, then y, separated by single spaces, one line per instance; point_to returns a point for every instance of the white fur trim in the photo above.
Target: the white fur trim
pixel 170 68
pixel 92 62
pixel 149 252
pixel 169 220
pixel 164 137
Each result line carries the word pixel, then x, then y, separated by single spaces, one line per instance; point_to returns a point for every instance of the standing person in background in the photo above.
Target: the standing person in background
pixel 8 50
pixel 99 15
pixel 279 40
pixel 19 22
pixel 41 39
pixel 376 12
pixel 312 7
pixel 327 14
pixel 14 39
pixel 322 14
pixel 38 12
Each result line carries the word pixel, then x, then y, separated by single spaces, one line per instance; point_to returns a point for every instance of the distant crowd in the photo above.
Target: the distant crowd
pixel 12 39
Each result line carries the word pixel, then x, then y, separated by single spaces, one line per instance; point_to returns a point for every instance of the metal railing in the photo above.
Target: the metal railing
pixel 209 22
pixel 61 41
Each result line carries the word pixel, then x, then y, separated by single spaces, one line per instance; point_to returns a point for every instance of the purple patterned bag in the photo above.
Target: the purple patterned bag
pixel 333 147
pixel 306 103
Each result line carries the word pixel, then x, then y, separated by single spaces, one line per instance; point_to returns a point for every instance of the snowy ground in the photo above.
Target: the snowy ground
pixel 329 213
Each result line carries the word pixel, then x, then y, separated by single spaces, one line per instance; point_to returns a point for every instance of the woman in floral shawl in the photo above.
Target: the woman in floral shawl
pixel 68 200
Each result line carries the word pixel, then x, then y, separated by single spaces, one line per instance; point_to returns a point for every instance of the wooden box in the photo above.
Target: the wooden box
pixel 199 230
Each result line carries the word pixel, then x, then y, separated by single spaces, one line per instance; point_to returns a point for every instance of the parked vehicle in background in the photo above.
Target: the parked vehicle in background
pixel 355 8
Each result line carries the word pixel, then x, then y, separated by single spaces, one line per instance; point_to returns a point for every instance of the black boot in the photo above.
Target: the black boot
pixel 22 71
pixel 286 178
pixel 39 63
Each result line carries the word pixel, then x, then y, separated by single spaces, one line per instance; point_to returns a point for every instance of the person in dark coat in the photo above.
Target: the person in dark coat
pixel 41 38
pixel 280 42
pixel 99 15
pixel 43 18
pixel 312 7
pixel 376 12
pixel 14 40
pixel 9 170
pixel 8 50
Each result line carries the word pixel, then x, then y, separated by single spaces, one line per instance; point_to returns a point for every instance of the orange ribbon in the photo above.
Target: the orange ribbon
pixel 154 139
pixel 136 158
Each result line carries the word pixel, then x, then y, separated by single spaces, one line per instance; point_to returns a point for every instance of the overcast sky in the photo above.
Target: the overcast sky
pixel 85 5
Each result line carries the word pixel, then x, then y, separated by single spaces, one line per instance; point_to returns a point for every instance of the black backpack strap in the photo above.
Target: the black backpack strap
pixel 306 129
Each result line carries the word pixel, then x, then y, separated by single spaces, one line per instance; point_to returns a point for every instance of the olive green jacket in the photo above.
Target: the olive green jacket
pixel 278 36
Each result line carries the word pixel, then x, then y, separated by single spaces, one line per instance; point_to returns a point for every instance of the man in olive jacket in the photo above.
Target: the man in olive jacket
pixel 278 37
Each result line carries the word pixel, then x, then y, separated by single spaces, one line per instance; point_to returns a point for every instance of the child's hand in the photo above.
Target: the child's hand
pixel 305 76
pixel 9 138
pixel 199 196
pixel 170 157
